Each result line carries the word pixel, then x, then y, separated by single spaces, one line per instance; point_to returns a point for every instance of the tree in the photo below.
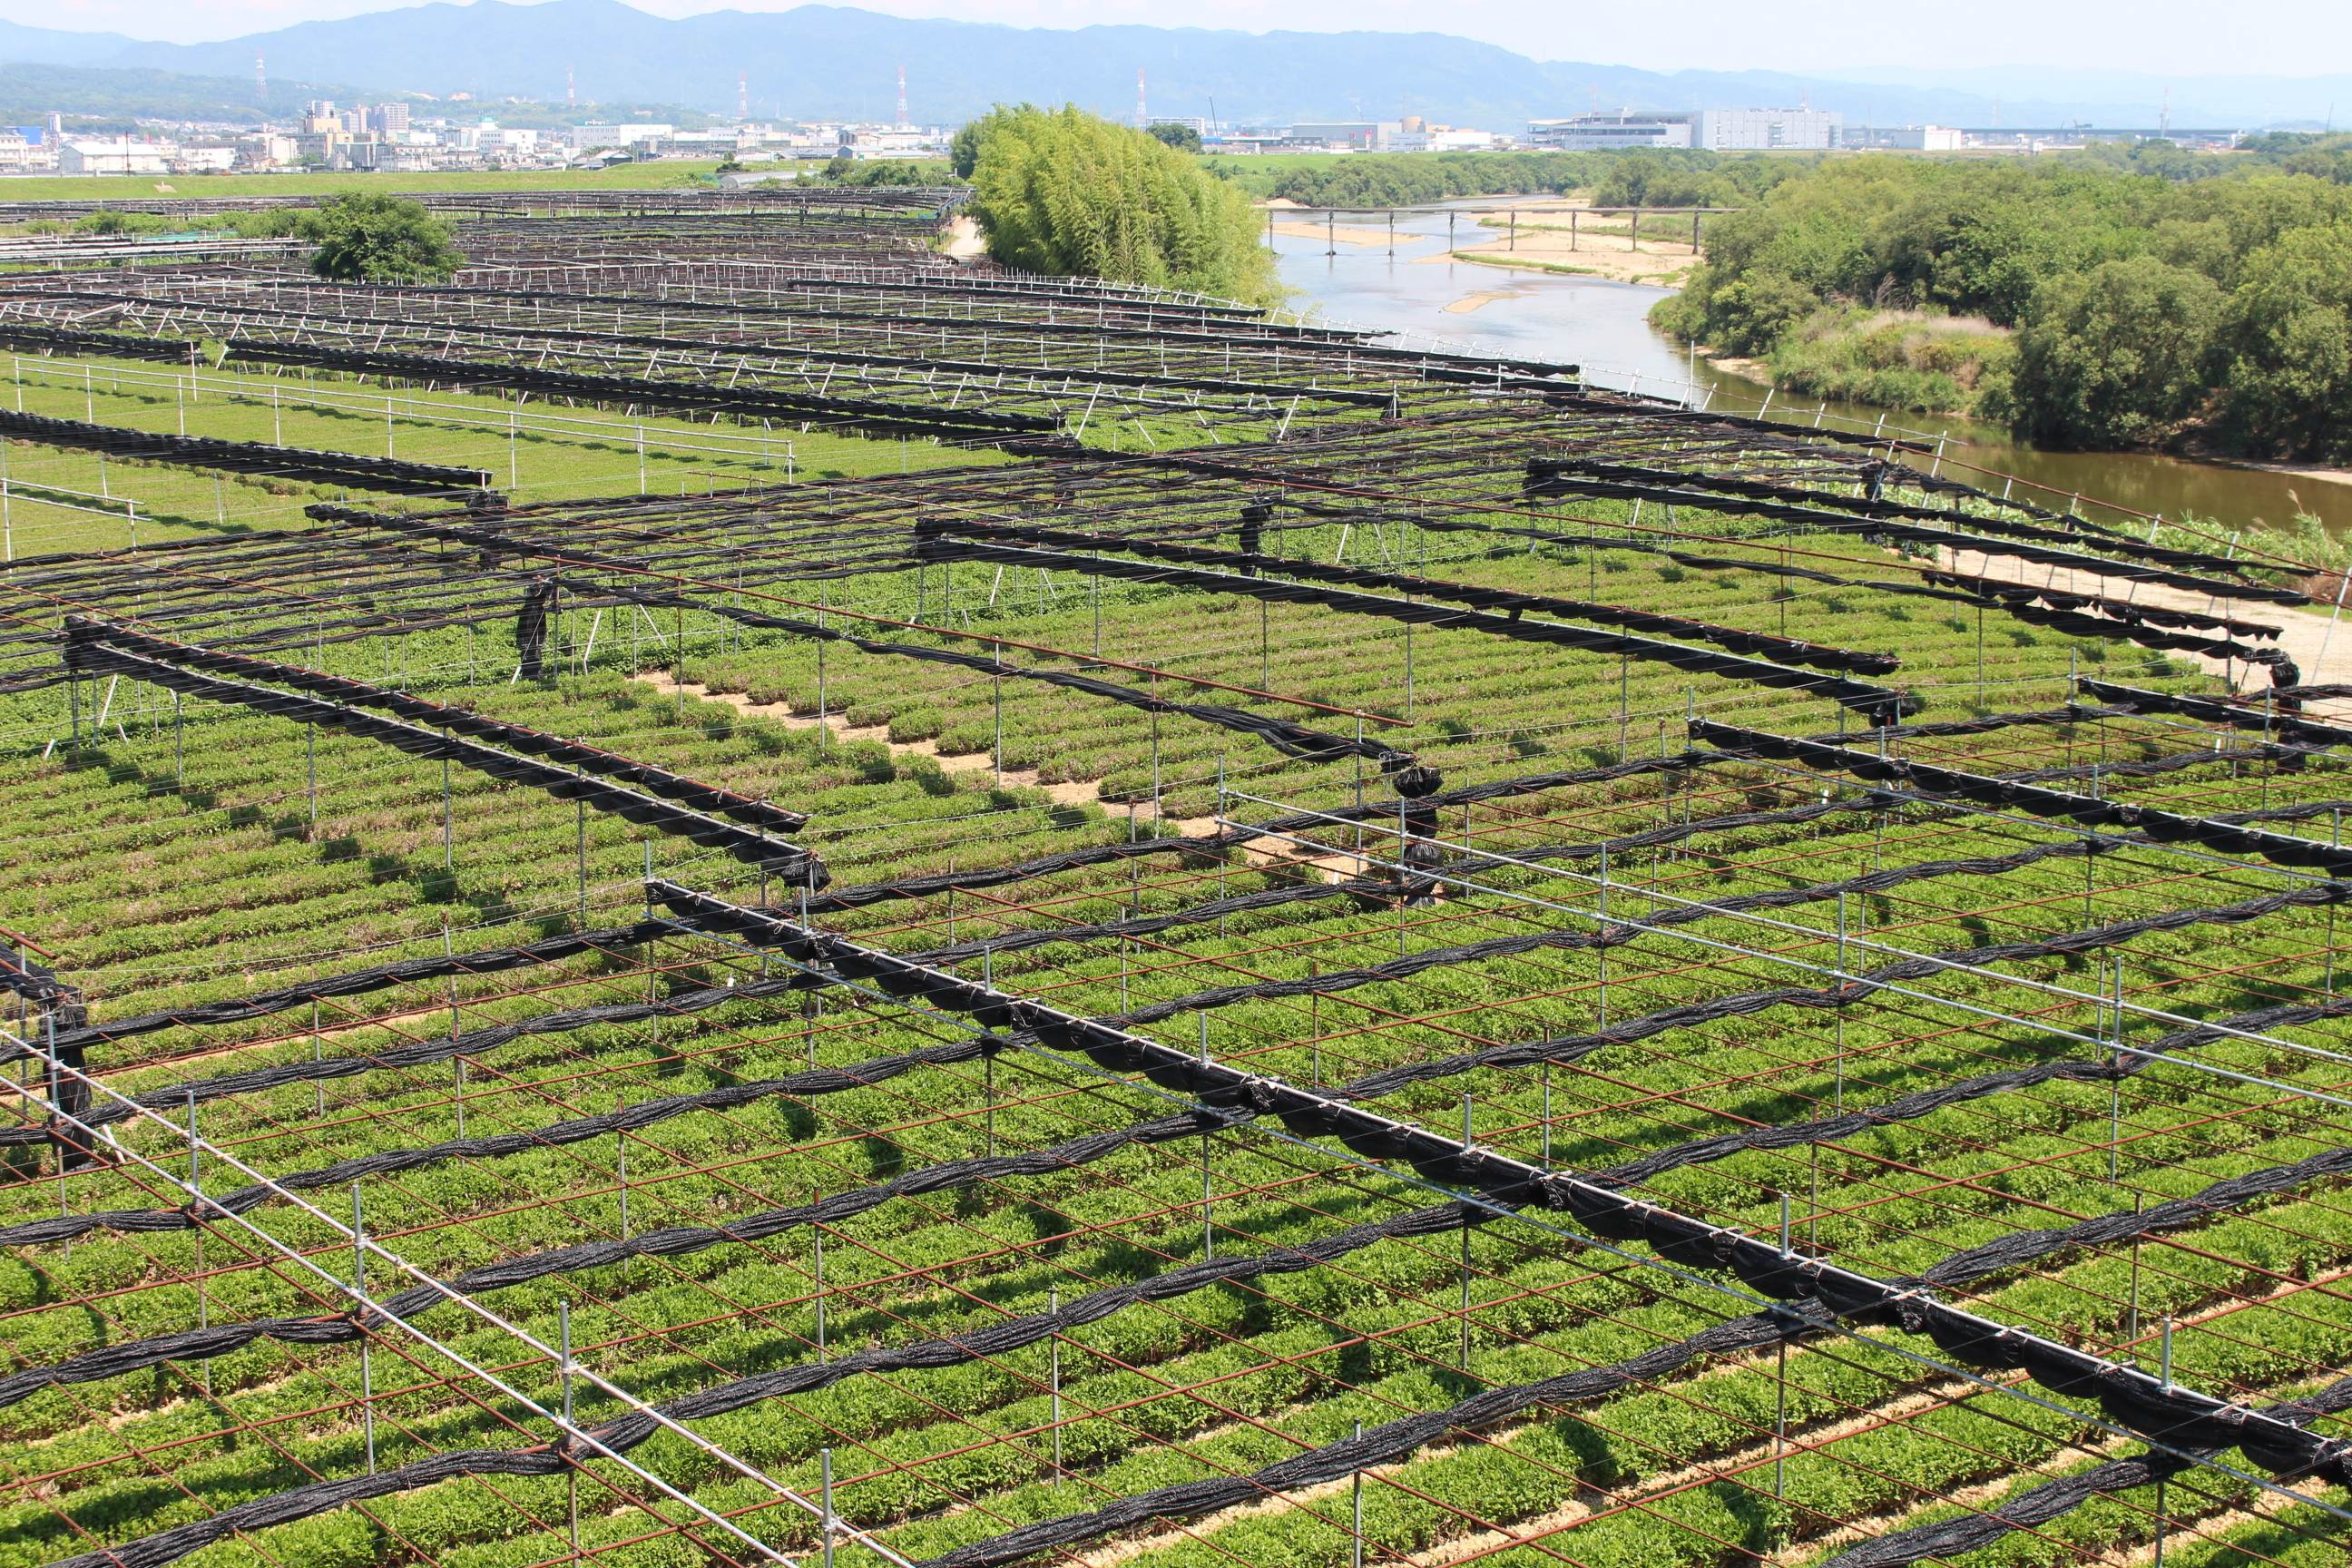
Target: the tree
pixel 2289 383
pixel 890 172
pixel 369 237
pixel 1183 138
pixel 2116 355
pixel 1061 191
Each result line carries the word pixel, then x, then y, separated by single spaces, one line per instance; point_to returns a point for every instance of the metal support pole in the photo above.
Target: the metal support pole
pixel 571 1472
pixel 1053 1305
pixel 1781 1420
pixel 196 1186
pixel 1356 1486
pixel 1208 1235
pixel 1547 1113
pixel 825 1523
pixel 620 1140
pixel 819 1238
pixel 359 1283
pixel 1601 953
pixel 988 1064
pixel 1463 1363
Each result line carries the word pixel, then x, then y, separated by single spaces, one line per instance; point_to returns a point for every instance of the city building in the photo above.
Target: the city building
pixel 208 160
pixel 1625 128
pixel 1441 138
pixel 1714 130
pixel 615 135
pixel 1759 130
pixel 388 118
pixel 1348 135
pixel 266 151
pixel 115 155
pixel 24 151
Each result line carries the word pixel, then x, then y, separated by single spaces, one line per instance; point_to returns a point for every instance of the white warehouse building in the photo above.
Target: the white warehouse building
pixel 1714 130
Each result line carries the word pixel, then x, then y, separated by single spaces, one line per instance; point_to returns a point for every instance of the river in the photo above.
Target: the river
pixel 1604 326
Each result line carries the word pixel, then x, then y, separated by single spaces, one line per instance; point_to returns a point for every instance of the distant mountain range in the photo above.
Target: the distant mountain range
pixel 832 62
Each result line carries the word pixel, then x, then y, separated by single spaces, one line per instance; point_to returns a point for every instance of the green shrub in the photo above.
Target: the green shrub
pixel 911 724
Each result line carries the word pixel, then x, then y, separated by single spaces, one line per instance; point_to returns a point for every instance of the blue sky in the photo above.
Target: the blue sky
pixel 2281 37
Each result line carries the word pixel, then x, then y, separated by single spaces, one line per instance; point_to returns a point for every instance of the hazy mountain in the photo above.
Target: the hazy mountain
pixel 52 48
pixel 823 61
pixel 117 95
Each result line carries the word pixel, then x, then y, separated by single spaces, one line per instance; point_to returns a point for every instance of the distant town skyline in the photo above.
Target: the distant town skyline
pixel 2161 37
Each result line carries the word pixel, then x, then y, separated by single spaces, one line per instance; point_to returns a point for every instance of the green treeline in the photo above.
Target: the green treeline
pixel 2080 302
pixel 1061 191
pixel 1667 179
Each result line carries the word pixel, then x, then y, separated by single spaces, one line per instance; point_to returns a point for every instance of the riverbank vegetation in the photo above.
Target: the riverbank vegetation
pixel 1063 192
pixel 1654 179
pixel 2208 315
pixel 1898 359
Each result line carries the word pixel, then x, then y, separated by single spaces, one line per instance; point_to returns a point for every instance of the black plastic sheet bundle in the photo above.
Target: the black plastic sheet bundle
pixel 1672 489
pixel 564 754
pixel 33 980
pixel 1554 475
pixel 2130 1397
pixel 1939 784
pixel 2281 717
pixel 1786 650
pixel 2004 590
pixel 1880 701
pixel 87 650
pixel 393 475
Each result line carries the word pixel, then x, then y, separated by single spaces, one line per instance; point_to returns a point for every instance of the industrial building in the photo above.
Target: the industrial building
pixel 1713 130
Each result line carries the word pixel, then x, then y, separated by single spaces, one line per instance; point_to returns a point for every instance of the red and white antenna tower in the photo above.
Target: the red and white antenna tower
pixel 1141 114
pixel 570 94
pixel 261 82
pixel 743 95
pixel 902 98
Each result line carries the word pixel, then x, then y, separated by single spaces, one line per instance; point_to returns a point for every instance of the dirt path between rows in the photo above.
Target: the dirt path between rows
pixel 1260 852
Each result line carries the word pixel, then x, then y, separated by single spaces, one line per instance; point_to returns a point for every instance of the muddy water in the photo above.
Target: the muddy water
pixel 1604 326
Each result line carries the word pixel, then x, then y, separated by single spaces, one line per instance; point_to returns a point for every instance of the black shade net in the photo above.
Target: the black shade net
pixel 1785 651
pixel 564 754
pixel 346 469
pixel 1878 700
pixel 2173 1415
pixel 1589 476
pixel 1943 785
pixel 86 650
pixel 2281 716
pixel 1974 1532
